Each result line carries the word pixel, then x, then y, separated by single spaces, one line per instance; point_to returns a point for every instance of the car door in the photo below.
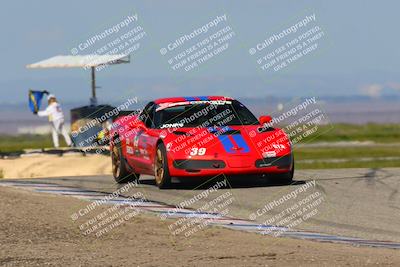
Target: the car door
pixel 143 142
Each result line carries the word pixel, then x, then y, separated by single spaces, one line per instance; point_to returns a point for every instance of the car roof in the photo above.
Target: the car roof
pixel 190 98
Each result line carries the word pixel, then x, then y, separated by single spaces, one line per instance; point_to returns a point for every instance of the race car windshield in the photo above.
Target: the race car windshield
pixel 204 114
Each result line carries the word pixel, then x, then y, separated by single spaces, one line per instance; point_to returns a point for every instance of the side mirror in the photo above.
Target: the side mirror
pixel 137 124
pixel 140 125
pixel 265 119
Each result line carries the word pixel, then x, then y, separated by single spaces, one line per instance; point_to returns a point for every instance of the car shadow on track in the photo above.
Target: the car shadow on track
pixel 232 183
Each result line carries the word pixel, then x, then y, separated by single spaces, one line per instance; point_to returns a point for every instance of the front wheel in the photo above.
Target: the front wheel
pixel 161 171
pixel 284 178
pixel 119 169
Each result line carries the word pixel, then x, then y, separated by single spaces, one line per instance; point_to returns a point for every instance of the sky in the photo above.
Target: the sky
pixel 358 53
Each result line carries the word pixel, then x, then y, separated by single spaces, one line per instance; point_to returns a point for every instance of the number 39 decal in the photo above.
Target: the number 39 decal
pixel 197 151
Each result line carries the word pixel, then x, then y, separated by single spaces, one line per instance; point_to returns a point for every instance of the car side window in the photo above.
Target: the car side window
pixel 147 115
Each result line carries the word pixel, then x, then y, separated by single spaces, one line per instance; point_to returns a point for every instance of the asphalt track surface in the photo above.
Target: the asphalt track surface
pixel 361 203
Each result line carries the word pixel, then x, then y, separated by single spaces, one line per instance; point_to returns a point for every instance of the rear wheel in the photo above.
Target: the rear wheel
pixel 119 168
pixel 161 171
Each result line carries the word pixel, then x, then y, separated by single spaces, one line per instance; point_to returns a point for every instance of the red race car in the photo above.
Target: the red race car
pixel 198 137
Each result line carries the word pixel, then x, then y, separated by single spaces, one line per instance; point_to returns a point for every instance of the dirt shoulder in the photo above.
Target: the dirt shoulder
pixel 55 166
pixel 36 229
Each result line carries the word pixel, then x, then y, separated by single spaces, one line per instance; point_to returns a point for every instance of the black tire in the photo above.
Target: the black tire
pixel 119 167
pixel 284 178
pixel 161 171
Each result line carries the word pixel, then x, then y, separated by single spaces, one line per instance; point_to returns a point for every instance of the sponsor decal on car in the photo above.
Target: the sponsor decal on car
pixel 194 102
pixel 172 125
pixel 269 154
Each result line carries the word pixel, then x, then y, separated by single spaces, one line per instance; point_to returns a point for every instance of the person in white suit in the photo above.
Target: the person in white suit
pixel 56 118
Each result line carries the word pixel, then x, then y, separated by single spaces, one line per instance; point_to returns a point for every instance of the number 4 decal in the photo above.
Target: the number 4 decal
pixel 197 151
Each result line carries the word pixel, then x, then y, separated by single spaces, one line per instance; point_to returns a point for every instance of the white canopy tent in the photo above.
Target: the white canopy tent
pixel 81 61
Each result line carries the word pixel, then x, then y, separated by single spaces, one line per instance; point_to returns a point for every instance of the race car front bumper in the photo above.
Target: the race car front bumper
pixel 231 166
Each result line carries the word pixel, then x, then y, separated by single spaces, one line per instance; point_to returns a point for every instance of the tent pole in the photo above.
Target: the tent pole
pixel 93 99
